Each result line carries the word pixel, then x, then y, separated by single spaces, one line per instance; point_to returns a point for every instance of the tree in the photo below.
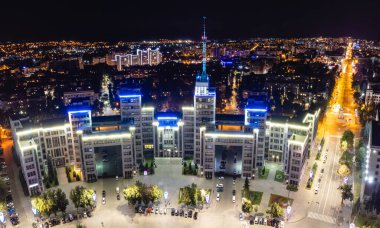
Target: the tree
pixel 276 211
pixel 348 137
pixel 246 184
pixel 49 196
pixel 196 166
pixel 3 190
pixel 82 197
pixel 190 170
pixel 75 196
pixel 60 200
pixel 247 206
pixel 3 206
pixel 42 203
pixel 360 155
pixel 132 193
pixel 155 192
pixel 344 170
pixel 346 192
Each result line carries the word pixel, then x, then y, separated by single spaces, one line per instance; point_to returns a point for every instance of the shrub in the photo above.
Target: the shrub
pixel 292 187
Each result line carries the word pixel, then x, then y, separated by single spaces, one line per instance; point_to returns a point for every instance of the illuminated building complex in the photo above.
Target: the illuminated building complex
pixel 109 146
pixel 142 57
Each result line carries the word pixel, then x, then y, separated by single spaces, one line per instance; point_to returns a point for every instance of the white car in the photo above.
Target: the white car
pixel 117 190
pixel 217 197
pixel 241 216
pixel 221 178
pixel 233 199
pixel 104 200
pixel 161 211
pixel 233 182
pixel 219 185
pixel 317 188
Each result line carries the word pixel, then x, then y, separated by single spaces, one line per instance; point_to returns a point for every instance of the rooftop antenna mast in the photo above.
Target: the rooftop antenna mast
pixel 204 40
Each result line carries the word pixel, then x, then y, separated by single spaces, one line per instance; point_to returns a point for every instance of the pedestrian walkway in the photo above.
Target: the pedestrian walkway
pixel 321 217
pixel 61 175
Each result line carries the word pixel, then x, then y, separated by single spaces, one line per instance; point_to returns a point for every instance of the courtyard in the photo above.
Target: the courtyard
pixel 168 176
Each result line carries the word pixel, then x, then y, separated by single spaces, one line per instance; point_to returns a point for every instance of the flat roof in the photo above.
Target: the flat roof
pixel 102 119
pixel 375 134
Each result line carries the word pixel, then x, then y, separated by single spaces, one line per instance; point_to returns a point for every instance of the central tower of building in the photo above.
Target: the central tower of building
pixel 204 105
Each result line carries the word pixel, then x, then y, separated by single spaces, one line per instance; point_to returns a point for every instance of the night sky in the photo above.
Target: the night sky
pixel 134 20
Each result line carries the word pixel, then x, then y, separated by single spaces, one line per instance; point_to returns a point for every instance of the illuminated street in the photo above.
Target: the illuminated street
pixel 332 126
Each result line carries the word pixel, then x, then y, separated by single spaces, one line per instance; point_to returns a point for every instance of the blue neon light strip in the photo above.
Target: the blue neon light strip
pixel 79 111
pixel 255 110
pixel 167 118
pixel 129 96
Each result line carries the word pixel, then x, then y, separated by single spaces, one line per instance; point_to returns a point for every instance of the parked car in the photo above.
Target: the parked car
pixel 241 217
pixel 233 192
pixel 233 199
pixel 156 210
pixel 84 214
pixel 221 178
pixel 317 188
pixel 190 215
pixel 173 212
pixel 176 212
pixel 118 196
pixel 195 215
pixel 103 200
pixel 185 214
pixel 181 213
pixel 217 196
pixel 117 190
pixel 161 211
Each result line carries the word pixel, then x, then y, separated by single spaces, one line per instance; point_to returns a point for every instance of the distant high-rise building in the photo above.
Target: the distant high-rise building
pixel 143 57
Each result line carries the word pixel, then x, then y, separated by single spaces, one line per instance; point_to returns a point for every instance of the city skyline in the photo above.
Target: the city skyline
pixel 159 20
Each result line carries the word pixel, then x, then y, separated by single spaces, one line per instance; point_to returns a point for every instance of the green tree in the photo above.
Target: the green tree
pixel 184 168
pixel 360 155
pixel 50 198
pixel 276 210
pixel 348 137
pixel 60 200
pixel 247 206
pixel 246 184
pixel 3 190
pixel 82 197
pixel 196 166
pixel 346 192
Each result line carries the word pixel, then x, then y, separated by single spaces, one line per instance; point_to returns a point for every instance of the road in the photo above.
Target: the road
pixel 338 118
pixel 21 202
